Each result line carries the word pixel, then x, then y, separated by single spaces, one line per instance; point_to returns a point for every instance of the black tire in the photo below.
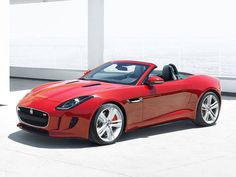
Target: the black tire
pixel 93 134
pixel 200 121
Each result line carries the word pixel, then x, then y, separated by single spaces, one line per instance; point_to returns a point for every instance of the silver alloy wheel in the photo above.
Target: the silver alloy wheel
pixel 109 123
pixel 210 109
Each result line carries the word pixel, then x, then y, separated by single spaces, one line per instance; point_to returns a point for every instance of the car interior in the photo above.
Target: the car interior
pixel 169 73
pixel 126 73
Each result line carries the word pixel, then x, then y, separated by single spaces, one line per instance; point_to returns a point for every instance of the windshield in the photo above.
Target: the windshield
pixel 117 72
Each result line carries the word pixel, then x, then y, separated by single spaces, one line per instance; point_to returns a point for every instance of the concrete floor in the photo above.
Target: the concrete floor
pixel 178 149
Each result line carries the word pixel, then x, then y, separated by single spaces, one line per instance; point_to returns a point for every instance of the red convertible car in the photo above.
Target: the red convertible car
pixel 117 97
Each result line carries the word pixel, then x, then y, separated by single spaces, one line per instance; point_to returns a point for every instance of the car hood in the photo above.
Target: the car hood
pixel 65 90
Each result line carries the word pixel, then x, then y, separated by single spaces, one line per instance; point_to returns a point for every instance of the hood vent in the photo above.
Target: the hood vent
pixel 71 82
pixel 91 85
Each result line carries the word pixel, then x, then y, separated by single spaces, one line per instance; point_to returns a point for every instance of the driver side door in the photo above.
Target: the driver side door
pixel 164 102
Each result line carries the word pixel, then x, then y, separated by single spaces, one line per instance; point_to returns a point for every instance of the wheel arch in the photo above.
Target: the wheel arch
pixel 203 93
pixel 199 121
pixel 91 133
pixel 115 103
pixel 211 90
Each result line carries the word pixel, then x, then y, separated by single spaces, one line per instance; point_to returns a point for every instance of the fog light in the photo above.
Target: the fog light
pixel 73 122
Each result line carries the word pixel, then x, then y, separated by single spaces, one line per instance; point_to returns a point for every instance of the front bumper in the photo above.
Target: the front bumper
pixel 60 123
pixel 32 129
pixel 51 133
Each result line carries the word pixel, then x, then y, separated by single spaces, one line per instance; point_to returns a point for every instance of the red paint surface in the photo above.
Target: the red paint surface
pixel 173 100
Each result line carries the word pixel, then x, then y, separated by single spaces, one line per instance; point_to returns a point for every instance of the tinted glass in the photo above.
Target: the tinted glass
pixel 123 73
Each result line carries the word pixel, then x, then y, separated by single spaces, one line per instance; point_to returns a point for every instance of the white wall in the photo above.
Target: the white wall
pixel 31 1
pixel 4 52
pixel 228 84
pixel 198 36
pixel 49 35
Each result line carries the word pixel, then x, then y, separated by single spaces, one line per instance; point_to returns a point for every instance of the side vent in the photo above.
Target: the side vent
pixel 91 85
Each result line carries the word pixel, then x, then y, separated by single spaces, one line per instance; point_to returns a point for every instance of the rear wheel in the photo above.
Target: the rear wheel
pixel 107 125
pixel 208 109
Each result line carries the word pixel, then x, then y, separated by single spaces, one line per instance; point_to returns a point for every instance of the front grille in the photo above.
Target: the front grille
pixel 33 117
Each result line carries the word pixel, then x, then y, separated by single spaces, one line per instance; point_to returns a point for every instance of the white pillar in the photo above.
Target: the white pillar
pixel 4 52
pixel 95 32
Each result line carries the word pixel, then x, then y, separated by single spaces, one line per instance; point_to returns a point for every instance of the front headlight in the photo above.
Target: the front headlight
pixel 73 102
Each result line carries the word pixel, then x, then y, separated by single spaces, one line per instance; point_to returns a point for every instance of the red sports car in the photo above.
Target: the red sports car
pixel 117 97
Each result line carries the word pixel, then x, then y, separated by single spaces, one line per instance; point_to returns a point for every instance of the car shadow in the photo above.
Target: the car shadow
pixel 159 129
pixel 40 141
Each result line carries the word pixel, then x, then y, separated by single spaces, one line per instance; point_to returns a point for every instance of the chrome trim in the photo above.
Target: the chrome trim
pixel 21 121
pixel 135 100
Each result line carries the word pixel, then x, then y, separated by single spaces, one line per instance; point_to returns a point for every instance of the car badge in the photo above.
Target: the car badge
pixel 31 111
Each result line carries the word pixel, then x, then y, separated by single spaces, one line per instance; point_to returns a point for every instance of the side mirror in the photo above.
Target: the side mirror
pixel 155 80
pixel 86 72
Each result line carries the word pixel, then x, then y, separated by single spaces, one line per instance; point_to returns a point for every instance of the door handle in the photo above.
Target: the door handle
pixel 135 100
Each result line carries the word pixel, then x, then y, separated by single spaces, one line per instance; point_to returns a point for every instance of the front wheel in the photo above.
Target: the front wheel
pixel 208 109
pixel 107 125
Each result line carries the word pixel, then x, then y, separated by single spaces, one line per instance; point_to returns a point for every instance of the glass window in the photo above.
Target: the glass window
pixel 115 68
pixel 123 73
